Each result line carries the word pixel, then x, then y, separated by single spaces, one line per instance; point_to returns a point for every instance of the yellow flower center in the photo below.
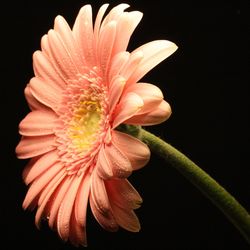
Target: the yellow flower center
pixel 84 125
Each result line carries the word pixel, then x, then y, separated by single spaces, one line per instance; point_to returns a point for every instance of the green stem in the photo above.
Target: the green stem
pixel 205 183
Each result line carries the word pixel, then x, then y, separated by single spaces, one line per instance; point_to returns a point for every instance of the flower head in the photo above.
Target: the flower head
pixel 85 86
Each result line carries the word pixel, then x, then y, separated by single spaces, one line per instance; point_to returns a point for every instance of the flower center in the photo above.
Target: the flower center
pixel 84 125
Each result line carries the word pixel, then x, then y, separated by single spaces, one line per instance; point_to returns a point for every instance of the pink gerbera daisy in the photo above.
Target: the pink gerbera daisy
pixel 85 86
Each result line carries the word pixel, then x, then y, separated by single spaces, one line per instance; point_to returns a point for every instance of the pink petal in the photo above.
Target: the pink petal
pixel 83 34
pixel 37 167
pixel 45 93
pixel 38 122
pixel 121 166
pixel 65 33
pixel 159 115
pixel 125 27
pixel 137 152
pixel 46 50
pixel 57 198
pixel 39 184
pixel 126 219
pixel 61 56
pixel 154 52
pixel 77 233
pixel 123 194
pixel 82 200
pixel 105 45
pixel 97 25
pixel 29 147
pixel 44 69
pixel 114 14
pixel 104 167
pixel 66 207
pixel 107 221
pixel 115 92
pixel 128 107
pixel 99 194
pixel 33 103
pixel 150 94
pixel 46 195
pixel 132 64
pixel 117 64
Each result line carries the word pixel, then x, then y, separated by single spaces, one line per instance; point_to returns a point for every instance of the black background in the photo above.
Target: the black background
pixel 204 81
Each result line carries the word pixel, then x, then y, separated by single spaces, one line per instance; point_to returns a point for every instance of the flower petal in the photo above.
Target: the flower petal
pixel 82 200
pixel 66 207
pixel 126 218
pixel 150 94
pixel 115 92
pixel 61 56
pixel 57 198
pixel 103 165
pixel 154 52
pixel 125 27
pixel 65 33
pixel 117 64
pixel 39 184
pixel 98 22
pixel 44 69
pixel 121 166
pixel 45 93
pixel 107 221
pixel 46 195
pixel 29 147
pixel 37 166
pixel 138 153
pixel 38 122
pixel 128 107
pixel 159 115
pixel 33 103
pixel 123 194
pixel 83 34
pixel 105 46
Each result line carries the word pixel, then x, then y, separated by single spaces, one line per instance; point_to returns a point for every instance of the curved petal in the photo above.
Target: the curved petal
pixel 107 221
pixel 128 107
pixel 123 194
pixel 46 195
pixel 137 152
pixel 126 219
pixel 38 122
pixel 154 52
pixel 117 64
pixel 39 165
pixel 33 103
pixel 65 33
pixel 57 198
pixel 125 27
pixel 45 70
pixel 150 94
pixel 61 56
pixel 84 36
pixel 115 92
pixel 99 194
pixel 105 45
pixel 66 208
pixel 98 22
pixel 32 146
pixel 39 184
pixel 81 202
pixel 159 115
pixel 103 165
pixel 121 166
pixel 47 94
